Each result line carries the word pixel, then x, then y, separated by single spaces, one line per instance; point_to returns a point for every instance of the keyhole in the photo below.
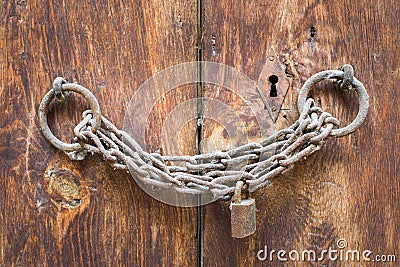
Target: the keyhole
pixel 273 79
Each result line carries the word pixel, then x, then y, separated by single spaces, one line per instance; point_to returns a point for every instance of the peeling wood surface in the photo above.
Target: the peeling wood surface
pixel 55 212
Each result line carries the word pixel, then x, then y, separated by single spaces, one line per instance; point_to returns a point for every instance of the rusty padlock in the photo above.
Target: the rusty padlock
pixel 243 214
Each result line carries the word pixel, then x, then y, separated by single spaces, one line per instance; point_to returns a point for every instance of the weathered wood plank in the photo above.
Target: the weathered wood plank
pixel 87 214
pixel 349 189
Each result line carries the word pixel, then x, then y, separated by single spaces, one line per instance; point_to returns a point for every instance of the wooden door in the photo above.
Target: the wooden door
pixel 348 191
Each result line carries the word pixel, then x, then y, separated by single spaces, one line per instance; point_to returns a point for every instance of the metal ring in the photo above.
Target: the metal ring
pixel 43 110
pixel 363 99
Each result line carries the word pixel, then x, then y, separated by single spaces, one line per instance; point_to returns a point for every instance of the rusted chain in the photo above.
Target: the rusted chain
pixel 221 170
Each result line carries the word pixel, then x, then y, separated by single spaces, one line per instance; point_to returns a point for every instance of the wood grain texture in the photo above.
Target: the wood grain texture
pixel 349 189
pixel 55 212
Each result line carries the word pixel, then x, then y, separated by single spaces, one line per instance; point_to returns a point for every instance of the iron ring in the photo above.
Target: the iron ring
pixel 43 111
pixel 363 99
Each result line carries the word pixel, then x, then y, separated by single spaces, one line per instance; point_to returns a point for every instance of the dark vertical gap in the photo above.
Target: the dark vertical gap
pixel 200 114
pixel 199 58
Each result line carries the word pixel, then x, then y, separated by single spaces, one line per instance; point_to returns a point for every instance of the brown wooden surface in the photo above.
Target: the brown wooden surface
pixel 111 47
pixel 349 189
pixel 86 214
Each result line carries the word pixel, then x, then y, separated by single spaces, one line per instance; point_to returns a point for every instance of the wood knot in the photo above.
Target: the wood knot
pixel 64 188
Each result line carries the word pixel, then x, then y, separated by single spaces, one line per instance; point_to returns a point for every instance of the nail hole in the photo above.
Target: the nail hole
pixel 213 45
pixel 273 79
pixel 75 202
pixel 313 32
